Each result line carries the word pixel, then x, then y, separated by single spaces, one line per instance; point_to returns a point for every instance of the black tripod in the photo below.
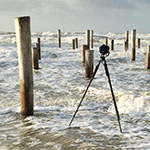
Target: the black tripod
pixel 104 50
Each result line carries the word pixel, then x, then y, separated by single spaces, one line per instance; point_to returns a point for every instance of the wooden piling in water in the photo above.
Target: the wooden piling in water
pixel 106 41
pixel 138 42
pixel 35 58
pixel 39 47
pixel 89 54
pixel 73 43
pixel 127 39
pixel 59 38
pixel 133 44
pixel 88 38
pixel 112 44
pixel 23 36
pixel 84 47
pixel 92 32
pixel 125 46
pixel 76 42
pixel 148 58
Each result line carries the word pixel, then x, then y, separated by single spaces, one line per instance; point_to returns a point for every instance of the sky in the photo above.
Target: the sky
pixel 78 15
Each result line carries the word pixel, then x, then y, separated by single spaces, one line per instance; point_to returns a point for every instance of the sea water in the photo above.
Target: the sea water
pixel 58 87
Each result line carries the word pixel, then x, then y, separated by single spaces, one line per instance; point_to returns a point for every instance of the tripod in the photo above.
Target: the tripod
pixel 104 50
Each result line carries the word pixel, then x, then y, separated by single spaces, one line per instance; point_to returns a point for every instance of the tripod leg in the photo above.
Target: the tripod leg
pixel 94 73
pixel 113 96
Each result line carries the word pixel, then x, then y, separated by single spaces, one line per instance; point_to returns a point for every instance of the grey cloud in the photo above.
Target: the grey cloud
pixel 142 4
pixel 143 1
pixel 20 5
pixel 72 13
pixel 67 5
pixel 113 4
pixel 8 5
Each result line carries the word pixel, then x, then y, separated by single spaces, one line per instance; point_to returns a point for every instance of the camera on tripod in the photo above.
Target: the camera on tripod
pixel 104 50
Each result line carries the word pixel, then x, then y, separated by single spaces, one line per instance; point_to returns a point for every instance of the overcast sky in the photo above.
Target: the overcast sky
pixel 78 15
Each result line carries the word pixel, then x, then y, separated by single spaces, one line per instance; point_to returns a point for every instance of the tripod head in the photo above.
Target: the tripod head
pixel 104 50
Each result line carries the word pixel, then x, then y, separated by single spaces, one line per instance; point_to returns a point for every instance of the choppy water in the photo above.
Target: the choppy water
pixel 58 88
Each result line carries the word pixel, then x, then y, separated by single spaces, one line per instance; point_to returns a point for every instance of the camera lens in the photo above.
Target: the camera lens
pixel 104 49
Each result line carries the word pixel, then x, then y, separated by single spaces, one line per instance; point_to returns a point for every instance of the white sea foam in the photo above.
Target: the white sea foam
pixel 58 89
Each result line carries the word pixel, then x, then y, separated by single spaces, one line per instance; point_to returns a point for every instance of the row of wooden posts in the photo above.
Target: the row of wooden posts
pixel 133 47
pixel 36 54
pixel 87 53
pixel 26 58
pixel 75 43
pixel 89 37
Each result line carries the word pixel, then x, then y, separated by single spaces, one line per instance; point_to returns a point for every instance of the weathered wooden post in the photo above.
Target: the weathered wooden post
pixel 84 47
pixel 23 36
pixel 59 38
pixel 76 42
pixel 127 39
pixel 148 58
pixel 106 41
pixel 39 47
pixel 88 38
pixel 89 54
pixel 35 58
pixel 92 38
pixel 125 46
pixel 133 44
pixel 112 44
pixel 138 42
pixel 73 43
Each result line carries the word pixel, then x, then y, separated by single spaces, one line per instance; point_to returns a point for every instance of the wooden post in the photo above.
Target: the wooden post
pixel 88 38
pixel 133 44
pixel 39 47
pixel 127 39
pixel 59 38
pixel 89 54
pixel 112 44
pixel 73 43
pixel 76 42
pixel 38 50
pixel 125 46
pixel 92 38
pixel 148 58
pixel 84 47
pixel 138 42
pixel 35 58
pixel 106 41
pixel 23 36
